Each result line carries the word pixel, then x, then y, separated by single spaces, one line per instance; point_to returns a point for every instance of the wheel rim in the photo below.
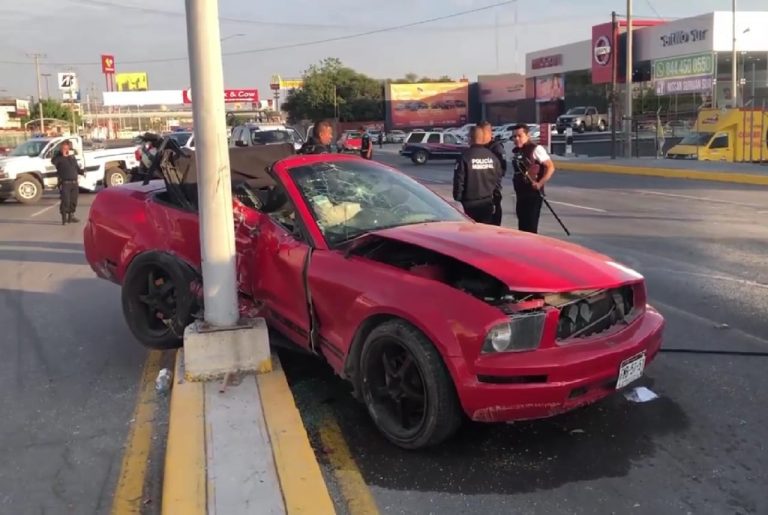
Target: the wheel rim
pixel 116 179
pixel 28 190
pixel 156 300
pixel 396 389
pixel 421 157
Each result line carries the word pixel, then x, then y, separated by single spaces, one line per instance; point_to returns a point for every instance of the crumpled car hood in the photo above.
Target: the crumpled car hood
pixel 524 262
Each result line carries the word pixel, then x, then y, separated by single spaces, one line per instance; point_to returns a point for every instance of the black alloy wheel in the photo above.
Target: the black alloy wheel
pixel 158 301
pixel 406 387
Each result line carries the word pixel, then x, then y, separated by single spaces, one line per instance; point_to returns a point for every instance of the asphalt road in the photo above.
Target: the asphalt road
pixel 699 448
pixel 69 371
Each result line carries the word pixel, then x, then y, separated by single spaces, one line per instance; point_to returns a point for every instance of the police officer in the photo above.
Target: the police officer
pixel 497 147
pixel 476 176
pixel 366 146
pixel 320 141
pixel 67 170
pixel 533 169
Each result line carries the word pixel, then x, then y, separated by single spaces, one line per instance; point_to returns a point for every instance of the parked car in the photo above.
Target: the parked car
pixel 259 134
pixel 430 316
pixel 396 136
pixel 420 147
pixel 27 171
pixel 350 141
pixel 581 119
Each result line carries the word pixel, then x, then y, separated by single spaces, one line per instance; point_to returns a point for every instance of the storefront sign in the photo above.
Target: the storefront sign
pixel 683 85
pixel 230 95
pixel 548 61
pixel 686 66
pixel 602 53
pixel 682 37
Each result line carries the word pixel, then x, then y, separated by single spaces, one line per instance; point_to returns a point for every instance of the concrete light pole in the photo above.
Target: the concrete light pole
pixel 628 81
pixel 734 82
pixel 37 57
pixel 217 236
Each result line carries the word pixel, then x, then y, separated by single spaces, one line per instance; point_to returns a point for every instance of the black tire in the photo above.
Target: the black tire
pixel 420 157
pixel 158 318
pixel 28 189
pixel 115 176
pixel 434 413
pixel 582 128
pixel 601 126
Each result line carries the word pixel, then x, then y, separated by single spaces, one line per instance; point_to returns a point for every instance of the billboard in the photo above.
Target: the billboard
pixel 428 104
pixel 551 87
pixel 501 88
pixel 277 83
pixel 107 64
pixel 135 81
pixel 22 107
pixel 143 98
pixel 230 96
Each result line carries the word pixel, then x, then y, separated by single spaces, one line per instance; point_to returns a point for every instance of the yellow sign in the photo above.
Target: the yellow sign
pixel 132 81
pixel 277 82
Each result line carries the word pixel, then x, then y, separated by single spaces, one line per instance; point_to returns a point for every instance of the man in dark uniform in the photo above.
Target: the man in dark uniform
pixel 476 176
pixel 533 169
pixel 67 170
pixel 497 147
pixel 366 147
pixel 320 141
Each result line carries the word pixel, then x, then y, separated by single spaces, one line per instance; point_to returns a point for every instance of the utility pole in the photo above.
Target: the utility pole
pixel 217 237
pixel 628 81
pixel 37 57
pixel 734 82
pixel 47 84
pixel 614 87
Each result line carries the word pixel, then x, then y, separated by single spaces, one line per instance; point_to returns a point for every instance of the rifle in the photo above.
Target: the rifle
pixel 518 164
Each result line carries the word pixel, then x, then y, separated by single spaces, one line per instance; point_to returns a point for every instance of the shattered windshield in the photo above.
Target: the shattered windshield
pixel 351 198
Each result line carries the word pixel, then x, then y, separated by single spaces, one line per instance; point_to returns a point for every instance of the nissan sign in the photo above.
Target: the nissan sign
pixel 602 51
pixel 231 96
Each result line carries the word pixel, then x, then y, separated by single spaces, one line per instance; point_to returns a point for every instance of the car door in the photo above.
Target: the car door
pixel 721 147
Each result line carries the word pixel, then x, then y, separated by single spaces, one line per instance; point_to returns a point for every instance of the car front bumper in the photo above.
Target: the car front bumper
pixel 547 382
pixel 6 187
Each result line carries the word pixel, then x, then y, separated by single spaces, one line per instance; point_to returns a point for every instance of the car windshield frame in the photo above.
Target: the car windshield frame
pixel 395 198
pixel 697 139
pixel 289 137
pixel 577 110
pixel 16 152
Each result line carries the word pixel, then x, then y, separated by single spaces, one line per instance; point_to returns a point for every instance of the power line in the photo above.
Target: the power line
pixel 652 8
pixel 302 44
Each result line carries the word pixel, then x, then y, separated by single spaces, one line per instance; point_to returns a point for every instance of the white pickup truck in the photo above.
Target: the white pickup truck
pixel 27 171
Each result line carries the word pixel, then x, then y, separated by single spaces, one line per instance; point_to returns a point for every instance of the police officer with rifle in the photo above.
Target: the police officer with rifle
pixel 533 169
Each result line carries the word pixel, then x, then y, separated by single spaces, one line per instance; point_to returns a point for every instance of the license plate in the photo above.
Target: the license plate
pixel 631 369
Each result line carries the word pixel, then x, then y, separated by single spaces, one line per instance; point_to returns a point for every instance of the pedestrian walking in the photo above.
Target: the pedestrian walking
pixel 497 147
pixel 366 147
pixel 476 176
pixel 533 169
pixel 320 140
pixel 67 171
pixel 381 138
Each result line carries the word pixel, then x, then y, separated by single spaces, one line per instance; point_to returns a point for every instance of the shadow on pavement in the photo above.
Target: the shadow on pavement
pixel 600 441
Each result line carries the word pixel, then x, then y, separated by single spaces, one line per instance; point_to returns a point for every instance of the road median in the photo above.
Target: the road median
pixel 760 178
pixel 240 447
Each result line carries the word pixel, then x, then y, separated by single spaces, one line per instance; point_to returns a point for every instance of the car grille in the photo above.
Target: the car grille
pixel 596 313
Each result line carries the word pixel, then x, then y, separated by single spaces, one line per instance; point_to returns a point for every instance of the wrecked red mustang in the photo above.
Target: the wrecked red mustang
pixel 429 315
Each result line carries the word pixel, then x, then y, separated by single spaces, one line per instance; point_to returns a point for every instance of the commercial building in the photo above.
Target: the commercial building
pixel 679 66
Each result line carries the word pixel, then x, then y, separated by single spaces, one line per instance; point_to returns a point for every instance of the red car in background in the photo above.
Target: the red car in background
pixel 431 317
pixel 350 141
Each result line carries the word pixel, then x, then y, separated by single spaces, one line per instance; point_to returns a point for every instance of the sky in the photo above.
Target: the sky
pixel 150 36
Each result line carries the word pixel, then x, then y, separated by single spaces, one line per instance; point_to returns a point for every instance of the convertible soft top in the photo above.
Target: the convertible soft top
pixel 248 165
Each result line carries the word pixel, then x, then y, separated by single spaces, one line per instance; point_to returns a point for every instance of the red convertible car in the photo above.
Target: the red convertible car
pixel 430 316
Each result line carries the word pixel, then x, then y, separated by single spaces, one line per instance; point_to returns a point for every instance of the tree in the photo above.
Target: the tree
pixel 333 90
pixel 52 109
pixel 412 78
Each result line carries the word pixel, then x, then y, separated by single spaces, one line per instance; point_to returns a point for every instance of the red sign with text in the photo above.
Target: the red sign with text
pixel 603 53
pixel 107 63
pixel 230 95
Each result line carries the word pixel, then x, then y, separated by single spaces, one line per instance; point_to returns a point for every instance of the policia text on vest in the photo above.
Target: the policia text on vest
pixel 476 176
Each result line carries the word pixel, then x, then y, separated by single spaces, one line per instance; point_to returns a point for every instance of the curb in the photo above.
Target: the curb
pixel 675 173
pixel 185 487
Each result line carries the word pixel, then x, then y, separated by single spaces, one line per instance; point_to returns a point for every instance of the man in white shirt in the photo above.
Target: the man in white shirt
pixel 533 169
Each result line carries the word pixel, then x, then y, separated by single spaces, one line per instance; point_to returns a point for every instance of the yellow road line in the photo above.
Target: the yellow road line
pixel 676 173
pixel 184 481
pixel 353 487
pixel 304 489
pixel 129 494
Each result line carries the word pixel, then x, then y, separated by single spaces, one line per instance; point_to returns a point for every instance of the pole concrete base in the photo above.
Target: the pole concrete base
pixel 210 353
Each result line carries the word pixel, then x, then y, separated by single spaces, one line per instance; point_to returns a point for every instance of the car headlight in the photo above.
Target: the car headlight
pixel 521 333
